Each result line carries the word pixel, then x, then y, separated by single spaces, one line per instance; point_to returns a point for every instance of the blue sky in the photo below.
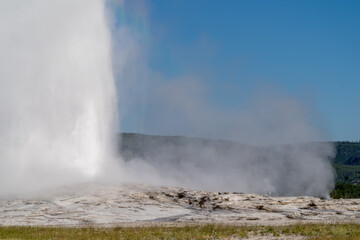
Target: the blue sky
pixel 308 49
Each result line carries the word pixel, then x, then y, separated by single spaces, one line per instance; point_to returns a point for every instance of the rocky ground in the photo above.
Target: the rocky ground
pixel 140 205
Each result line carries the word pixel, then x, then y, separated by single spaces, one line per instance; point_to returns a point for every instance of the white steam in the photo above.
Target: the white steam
pixel 277 149
pixel 57 94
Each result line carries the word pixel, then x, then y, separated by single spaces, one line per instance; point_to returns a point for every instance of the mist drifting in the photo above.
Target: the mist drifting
pixel 281 147
pixel 275 146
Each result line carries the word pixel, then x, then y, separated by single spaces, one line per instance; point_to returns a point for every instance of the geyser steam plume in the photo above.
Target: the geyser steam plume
pixel 58 111
pixel 57 93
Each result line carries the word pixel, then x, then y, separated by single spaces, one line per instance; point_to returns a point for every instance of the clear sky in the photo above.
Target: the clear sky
pixel 309 49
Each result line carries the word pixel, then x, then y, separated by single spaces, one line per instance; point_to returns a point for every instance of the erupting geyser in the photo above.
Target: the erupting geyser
pixel 58 114
pixel 57 93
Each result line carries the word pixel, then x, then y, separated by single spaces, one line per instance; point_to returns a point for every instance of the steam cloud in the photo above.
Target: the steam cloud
pixel 58 113
pixel 282 150
pixel 272 149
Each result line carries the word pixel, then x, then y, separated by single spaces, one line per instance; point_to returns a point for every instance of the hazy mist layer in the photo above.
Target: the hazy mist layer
pixel 275 124
pixel 217 165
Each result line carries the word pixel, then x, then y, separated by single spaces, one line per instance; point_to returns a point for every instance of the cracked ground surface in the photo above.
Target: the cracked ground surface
pixel 140 205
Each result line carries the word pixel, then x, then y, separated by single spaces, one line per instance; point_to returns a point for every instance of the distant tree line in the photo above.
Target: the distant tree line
pixel 346 190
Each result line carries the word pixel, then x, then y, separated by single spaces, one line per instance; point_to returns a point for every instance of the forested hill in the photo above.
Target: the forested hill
pixel 347 162
pixel 348 153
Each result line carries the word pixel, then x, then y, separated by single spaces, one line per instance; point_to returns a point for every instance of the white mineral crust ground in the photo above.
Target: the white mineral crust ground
pixel 142 205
